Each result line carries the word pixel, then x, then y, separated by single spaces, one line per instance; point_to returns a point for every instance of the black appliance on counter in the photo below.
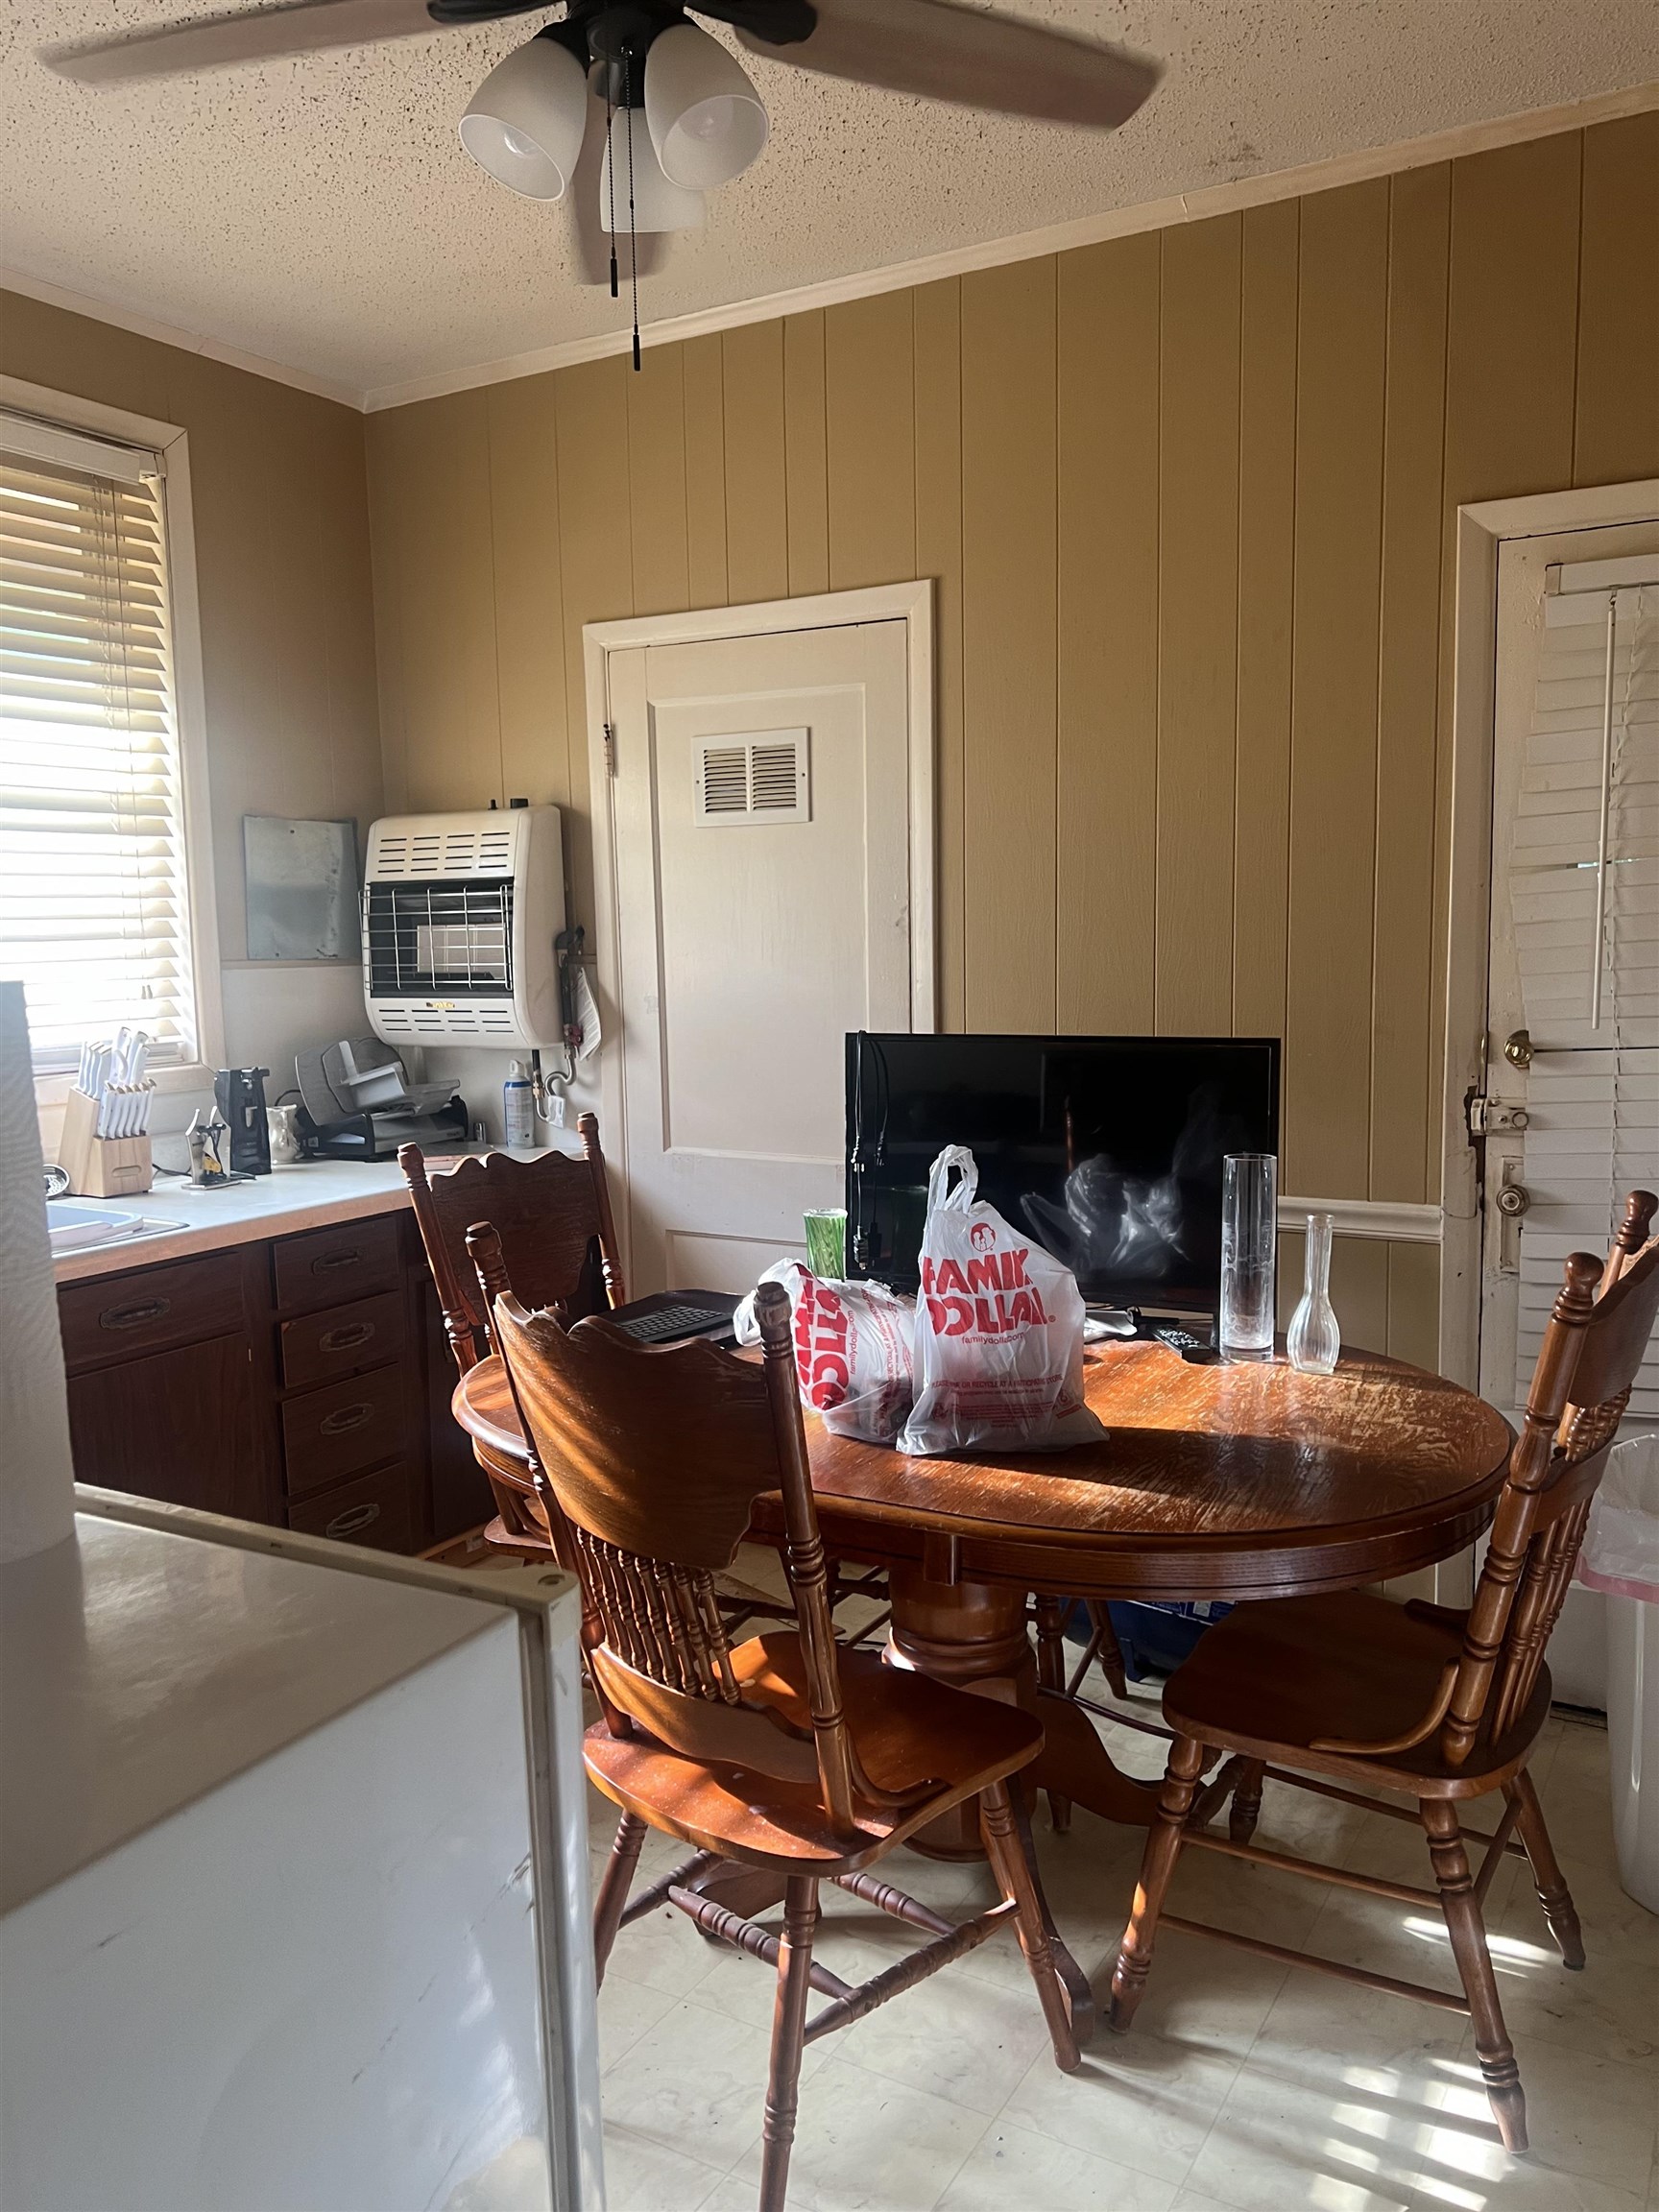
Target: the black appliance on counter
pixel 357 1102
pixel 1108 1151
pixel 239 1094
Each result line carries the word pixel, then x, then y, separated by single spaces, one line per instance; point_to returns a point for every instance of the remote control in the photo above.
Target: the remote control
pixel 1195 1349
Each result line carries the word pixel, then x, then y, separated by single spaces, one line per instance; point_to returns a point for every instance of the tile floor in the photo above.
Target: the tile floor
pixel 1244 2085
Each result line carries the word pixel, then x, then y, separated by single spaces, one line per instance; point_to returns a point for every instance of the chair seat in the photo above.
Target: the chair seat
pixel 906 1727
pixel 1272 1678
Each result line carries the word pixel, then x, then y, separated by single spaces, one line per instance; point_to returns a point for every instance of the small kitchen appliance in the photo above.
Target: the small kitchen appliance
pixel 239 1094
pixel 357 1102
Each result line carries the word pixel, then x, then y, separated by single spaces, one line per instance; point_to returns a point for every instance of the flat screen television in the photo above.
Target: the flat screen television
pixel 1107 1150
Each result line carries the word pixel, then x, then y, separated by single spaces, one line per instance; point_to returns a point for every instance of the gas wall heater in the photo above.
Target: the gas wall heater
pixel 460 912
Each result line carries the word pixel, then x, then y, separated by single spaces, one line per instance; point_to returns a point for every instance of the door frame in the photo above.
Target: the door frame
pixel 910 603
pixel 1481 530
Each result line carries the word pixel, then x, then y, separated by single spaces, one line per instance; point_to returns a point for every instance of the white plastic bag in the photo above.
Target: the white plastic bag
pixel 851 1349
pixel 1621 1553
pixel 999 1345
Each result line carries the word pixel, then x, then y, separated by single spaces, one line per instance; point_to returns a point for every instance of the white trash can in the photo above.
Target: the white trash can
pixel 1621 1557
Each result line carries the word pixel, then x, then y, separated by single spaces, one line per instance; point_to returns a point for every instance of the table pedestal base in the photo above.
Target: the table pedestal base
pixel 974 1636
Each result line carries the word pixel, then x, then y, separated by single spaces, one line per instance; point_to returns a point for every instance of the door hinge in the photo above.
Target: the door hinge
pixel 1494 1116
pixel 609 749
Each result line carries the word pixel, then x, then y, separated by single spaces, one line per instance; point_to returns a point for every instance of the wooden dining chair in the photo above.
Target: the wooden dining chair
pixel 790 1754
pixel 1421 1700
pixel 557 1236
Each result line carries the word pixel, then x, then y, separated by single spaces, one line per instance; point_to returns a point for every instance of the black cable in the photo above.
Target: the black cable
pixel 633 233
pixel 611 177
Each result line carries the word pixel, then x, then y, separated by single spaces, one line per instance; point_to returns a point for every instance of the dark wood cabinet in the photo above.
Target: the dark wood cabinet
pixel 302 1381
pixel 460 1495
pixel 180 1426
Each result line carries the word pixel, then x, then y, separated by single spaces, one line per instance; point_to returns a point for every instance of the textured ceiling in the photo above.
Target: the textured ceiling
pixel 322 214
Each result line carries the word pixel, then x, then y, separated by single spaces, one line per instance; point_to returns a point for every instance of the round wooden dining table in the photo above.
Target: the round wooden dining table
pixel 1225 1480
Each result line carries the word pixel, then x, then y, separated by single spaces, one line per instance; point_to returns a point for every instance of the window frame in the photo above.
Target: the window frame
pixel 171 441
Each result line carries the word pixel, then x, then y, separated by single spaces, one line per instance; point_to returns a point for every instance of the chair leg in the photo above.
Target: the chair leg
pixel 1246 1808
pixel 1005 1850
pixel 788 2037
pixel 1468 1931
pixel 1553 1893
pixel 1110 1653
pixel 613 1888
pixel 1157 1865
pixel 1051 1675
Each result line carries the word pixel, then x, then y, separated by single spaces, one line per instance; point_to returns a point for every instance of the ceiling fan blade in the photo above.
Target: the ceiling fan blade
pixel 250 34
pixel 963 55
pixel 592 241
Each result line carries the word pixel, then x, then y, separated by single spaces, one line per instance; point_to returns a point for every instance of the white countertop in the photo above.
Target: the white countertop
pixel 144 1668
pixel 188 1220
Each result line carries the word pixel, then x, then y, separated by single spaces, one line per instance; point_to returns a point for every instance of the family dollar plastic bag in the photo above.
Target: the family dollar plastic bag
pixel 851 1349
pixel 998 1342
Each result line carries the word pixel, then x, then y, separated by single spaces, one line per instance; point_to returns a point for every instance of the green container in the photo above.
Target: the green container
pixel 826 1242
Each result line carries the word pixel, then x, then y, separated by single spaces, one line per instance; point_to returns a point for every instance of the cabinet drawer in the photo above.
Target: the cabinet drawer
pixel 121 1317
pixel 329 1265
pixel 375 1509
pixel 320 1346
pixel 330 1433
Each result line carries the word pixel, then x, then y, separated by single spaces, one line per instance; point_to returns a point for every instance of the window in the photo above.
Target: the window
pixel 94 882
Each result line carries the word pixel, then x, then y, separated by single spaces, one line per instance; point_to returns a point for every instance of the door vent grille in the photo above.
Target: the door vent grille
pixel 744 781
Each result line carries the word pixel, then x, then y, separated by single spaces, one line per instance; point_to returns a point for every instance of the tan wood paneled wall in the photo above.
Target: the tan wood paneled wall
pixel 1189 499
pixel 280 498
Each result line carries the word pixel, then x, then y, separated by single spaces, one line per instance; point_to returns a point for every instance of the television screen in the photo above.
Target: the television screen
pixel 1107 1150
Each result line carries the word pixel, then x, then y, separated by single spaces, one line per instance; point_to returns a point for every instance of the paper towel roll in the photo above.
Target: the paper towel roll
pixel 36 1478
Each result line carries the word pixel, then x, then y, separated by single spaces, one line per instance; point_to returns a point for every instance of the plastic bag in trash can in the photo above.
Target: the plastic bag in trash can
pixel 1621 1553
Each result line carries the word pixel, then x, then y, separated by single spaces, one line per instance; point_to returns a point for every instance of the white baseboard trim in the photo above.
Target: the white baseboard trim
pixel 1395 1222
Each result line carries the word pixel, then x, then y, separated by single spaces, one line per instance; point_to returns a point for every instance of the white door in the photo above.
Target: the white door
pixel 762 853
pixel 1571 1077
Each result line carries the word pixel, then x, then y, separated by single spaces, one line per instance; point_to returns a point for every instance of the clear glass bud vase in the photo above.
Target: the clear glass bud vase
pixel 1313 1340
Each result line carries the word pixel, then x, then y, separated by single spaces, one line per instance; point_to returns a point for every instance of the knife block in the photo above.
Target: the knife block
pixel 101 1166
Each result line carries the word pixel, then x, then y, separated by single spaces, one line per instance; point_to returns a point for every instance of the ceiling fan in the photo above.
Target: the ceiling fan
pixel 630 113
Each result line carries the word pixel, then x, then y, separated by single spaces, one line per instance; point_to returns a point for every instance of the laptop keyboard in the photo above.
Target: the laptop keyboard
pixel 672 1321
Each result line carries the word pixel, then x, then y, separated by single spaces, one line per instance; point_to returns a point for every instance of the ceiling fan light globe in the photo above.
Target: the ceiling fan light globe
pixel 705 119
pixel 524 123
pixel 659 202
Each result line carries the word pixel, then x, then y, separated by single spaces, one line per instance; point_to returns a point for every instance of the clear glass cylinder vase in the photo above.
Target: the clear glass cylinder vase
pixel 1313 1342
pixel 1249 1252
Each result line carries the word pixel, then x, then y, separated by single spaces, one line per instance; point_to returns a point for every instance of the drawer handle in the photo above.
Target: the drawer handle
pixel 346 1337
pixel 343 1419
pixel 134 1317
pixel 350 1258
pixel 353 1518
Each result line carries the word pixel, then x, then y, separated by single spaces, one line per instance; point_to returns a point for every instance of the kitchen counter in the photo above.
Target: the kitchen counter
pixel 310 1194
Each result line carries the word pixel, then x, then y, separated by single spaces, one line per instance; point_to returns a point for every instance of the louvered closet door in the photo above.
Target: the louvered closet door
pixel 761 837
pixel 1574 925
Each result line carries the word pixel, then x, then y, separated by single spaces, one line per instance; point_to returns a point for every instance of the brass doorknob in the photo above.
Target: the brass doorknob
pixel 1518 1048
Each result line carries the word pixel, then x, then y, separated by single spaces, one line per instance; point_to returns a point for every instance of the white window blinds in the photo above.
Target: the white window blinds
pixel 94 903
pixel 1584 887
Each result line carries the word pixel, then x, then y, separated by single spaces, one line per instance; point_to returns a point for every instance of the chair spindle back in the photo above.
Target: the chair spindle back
pixel 1592 1347
pixel 655 1458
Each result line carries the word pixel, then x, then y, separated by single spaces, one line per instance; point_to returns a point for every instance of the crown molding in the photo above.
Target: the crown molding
pixel 1059 238
pixel 187 341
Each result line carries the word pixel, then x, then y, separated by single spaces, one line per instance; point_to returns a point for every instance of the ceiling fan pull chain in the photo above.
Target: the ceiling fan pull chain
pixel 610 181
pixel 632 233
